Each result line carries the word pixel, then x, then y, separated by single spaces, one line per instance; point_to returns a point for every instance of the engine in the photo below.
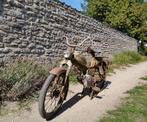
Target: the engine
pixel 87 80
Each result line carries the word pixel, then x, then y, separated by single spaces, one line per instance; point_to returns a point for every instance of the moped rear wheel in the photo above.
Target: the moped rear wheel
pixel 52 95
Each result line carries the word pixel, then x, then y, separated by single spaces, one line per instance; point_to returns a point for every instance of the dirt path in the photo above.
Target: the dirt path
pixel 77 109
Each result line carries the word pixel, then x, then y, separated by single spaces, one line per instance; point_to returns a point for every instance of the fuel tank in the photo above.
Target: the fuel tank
pixel 80 58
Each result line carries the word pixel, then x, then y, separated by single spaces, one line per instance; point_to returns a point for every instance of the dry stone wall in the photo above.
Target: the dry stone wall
pixel 34 28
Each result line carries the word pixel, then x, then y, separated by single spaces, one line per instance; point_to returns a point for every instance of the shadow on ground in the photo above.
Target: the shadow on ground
pixel 75 99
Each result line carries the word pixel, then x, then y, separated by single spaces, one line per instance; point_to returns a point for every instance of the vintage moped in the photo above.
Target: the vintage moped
pixel 55 88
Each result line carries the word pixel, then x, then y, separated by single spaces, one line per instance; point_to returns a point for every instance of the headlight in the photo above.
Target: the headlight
pixel 67 54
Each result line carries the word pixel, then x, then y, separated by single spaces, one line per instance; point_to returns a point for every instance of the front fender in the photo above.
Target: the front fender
pixel 57 71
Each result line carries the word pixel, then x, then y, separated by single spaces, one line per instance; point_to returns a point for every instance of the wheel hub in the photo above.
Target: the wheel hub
pixel 56 93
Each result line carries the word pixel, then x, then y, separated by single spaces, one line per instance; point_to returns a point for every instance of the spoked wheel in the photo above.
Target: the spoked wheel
pixel 52 95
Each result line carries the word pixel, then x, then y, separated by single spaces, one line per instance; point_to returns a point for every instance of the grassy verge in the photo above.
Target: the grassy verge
pixel 126 58
pixel 133 108
pixel 20 77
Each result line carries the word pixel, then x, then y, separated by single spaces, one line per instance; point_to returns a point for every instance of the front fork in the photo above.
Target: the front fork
pixel 68 63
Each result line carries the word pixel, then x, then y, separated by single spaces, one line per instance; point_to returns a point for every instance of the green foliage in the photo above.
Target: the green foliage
pixel 133 109
pixel 128 16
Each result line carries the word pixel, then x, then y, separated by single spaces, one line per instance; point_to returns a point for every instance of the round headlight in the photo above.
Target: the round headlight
pixel 67 54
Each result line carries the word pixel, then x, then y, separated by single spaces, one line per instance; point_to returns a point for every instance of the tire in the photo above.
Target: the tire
pixel 43 94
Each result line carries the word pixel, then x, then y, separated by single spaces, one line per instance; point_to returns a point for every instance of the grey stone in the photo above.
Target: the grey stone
pixel 29 8
pixel 34 51
pixel 1 50
pixel 4 28
pixel 1 62
pixel 6 50
pixel 15 13
pixel 25 51
pixel 13 44
pixel 30 13
pixel 1 56
pixel 39 47
pixel 2 32
pixel 31 46
pixel 15 3
pixel 36 28
pixel 17 51
pixel 1 45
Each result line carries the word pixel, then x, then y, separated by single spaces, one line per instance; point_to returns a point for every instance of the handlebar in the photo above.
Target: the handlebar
pixel 71 45
pixel 88 50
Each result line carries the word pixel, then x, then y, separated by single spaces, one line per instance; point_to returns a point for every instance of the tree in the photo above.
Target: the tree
pixel 128 16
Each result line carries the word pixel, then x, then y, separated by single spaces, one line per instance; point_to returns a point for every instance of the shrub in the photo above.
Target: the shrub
pixel 17 79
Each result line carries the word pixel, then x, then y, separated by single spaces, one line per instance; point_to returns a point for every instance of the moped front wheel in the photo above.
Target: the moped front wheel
pixel 52 95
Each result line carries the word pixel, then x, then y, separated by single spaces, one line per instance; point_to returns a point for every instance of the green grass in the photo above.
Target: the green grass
pixel 133 108
pixel 126 58
pixel 144 78
pixel 73 79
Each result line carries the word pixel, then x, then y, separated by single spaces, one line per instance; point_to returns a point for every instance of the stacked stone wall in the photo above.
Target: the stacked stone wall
pixel 34 28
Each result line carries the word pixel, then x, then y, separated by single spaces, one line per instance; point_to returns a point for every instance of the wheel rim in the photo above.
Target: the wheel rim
pixel 53 95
